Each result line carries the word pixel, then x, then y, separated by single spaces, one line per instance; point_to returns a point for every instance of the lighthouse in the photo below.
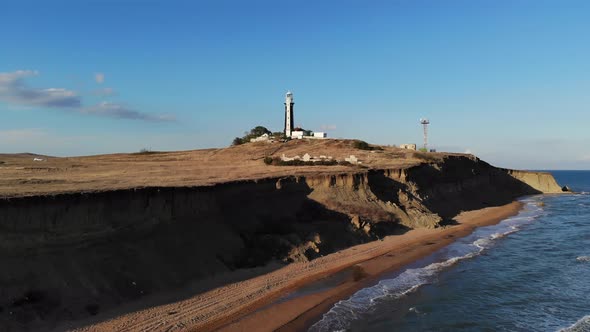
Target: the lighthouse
pixel 289 113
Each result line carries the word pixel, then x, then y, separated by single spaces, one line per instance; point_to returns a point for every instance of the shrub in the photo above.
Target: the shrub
pixel 268 160
pixel 146 151
pixel 329 162
pixel 296 162
pixel 253 133
pixel 425 156
pixel 237 141
pixel 259 131
pixel 362 145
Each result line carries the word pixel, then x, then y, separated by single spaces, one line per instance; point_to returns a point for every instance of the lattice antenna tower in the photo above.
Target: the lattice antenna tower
pixel 425 122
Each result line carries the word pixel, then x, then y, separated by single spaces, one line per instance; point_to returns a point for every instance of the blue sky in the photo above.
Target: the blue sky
pixel 506 80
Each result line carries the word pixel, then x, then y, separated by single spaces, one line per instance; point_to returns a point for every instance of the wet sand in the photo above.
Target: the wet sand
pixel 300 312
pixel 259 304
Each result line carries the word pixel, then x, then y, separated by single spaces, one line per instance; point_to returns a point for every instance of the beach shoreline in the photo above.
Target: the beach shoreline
pixel 258 304
pixel 301 311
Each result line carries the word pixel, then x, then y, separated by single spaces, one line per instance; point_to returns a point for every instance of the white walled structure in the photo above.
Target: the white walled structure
pixel 306 157
pixel 408 146
pixel 262 138
pixel 352 159
pixel 297 134
pixel 289 103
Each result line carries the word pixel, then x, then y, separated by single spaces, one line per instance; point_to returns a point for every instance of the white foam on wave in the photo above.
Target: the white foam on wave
pixel 496 236
pixel 583 258
pixel 344 312
pixel 582 325
pixel 416 311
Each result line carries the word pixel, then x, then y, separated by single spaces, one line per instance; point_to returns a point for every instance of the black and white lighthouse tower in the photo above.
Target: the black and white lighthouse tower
pixel 289 113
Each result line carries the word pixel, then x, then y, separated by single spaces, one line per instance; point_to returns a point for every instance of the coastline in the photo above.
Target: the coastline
pixel 301 311
pixel 255 304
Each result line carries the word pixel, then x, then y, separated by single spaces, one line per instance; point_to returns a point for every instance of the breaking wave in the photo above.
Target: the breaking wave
pixel 344 312
pixel 583 325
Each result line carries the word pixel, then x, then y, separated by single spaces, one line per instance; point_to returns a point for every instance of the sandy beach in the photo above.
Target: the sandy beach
pixel 252 305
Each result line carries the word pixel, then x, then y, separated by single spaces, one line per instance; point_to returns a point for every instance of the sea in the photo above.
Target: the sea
pixel 530 272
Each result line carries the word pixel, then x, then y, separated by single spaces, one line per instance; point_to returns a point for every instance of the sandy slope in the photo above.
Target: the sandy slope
pixel 231 307
pixel 20 175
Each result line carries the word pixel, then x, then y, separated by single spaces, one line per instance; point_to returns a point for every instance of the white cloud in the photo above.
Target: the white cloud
pixel 13 90
pixel 99 78
pixel 115 110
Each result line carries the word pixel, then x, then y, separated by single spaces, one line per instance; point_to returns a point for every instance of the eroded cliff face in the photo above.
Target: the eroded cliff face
pixel 70 256
pixel 541 181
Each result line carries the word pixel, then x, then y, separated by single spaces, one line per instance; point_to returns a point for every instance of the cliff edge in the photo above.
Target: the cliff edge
pixel 88 252
pixel 541 181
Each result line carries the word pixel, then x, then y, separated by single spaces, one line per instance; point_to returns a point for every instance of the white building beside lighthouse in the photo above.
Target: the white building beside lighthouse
pixel 289 113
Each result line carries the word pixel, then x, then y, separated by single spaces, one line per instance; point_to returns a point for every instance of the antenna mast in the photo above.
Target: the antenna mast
pixel 425 124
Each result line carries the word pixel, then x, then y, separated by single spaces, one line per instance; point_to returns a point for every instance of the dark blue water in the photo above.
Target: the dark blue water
pixel 531 272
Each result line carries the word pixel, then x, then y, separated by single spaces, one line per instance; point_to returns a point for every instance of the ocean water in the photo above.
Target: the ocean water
pixel 530 272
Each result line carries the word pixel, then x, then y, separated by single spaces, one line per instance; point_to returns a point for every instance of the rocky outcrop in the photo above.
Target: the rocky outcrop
pixel 541 181
pixel 69 256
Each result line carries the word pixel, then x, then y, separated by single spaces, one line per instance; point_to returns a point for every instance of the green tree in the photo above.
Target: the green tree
pixel 362 145
pixel 253 133
pixel 259 131
pixel 237 141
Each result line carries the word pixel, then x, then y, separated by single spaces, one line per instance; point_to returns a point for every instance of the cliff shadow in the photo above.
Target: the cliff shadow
pixel 385 188
pixel 461 185
pixel 97 256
